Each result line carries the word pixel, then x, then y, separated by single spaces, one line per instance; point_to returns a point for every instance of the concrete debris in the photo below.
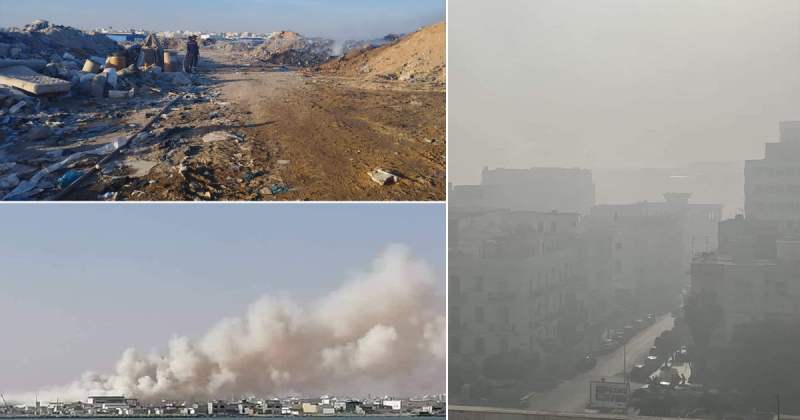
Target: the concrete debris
pixel 383 177
pixel 121 94
pixel 41 39
pixel 220 136
pixel 28 80
pixel 33 64
pixel 98 85
pixel 292 49
pixel 111 78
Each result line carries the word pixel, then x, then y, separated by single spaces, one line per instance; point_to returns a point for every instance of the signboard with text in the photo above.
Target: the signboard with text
pixel 608 394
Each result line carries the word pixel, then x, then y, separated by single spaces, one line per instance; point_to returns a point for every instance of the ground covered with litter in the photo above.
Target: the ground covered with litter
pixel 238 129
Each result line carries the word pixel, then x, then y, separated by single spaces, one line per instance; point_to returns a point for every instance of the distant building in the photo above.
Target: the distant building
pixel 652 245
pixel 395 405
pixel 536 189
pixel 772 184
pixel 272 407
pixel 754 276
pixel 309 408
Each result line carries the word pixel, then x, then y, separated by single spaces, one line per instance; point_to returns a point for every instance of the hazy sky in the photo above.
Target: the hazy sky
pixel 82 283
pixel 618 82
pixel 338 19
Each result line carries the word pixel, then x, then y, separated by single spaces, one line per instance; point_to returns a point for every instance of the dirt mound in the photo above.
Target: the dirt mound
pixel 292 49
pixel 351 46
pixel 41 39
pixel 418 57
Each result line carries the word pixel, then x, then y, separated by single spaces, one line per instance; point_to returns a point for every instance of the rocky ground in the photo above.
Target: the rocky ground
pixel 239 130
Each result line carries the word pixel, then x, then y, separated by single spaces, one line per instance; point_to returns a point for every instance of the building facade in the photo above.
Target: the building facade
pixel 772 184
pixel 537 189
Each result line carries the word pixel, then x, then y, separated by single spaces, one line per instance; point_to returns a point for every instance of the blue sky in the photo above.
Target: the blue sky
pixel 81 283
pixel 338 19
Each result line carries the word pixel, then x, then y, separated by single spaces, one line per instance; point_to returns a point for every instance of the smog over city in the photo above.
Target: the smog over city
pixel 624 209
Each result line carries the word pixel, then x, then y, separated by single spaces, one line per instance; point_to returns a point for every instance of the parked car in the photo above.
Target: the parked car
pixel 587 363
pixel 652 362
pixel 640 373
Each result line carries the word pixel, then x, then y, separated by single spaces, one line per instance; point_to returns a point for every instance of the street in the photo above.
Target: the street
pixel 572 395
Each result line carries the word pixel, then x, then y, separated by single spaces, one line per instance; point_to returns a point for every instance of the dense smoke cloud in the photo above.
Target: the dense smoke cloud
pixel 384 328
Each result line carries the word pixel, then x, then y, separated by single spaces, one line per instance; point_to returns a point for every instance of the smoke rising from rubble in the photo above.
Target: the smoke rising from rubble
pixel 381 331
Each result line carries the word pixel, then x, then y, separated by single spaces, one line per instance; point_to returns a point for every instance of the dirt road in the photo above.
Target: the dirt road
pixel 272 133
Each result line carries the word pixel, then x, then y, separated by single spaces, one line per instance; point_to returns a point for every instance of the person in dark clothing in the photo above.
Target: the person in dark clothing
pixel 192 55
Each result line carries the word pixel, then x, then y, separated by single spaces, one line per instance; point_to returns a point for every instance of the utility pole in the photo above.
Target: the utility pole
pixel 778 398
pixel 625 363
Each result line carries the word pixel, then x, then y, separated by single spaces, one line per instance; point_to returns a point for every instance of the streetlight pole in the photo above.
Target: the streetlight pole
pixel 625 362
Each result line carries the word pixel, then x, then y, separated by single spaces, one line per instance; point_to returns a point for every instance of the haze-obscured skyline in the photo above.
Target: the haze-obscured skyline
pixel 340 20
pixel 82 283
pixel 618 83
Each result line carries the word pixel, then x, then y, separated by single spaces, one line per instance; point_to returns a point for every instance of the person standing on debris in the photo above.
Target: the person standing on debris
pixel 192 54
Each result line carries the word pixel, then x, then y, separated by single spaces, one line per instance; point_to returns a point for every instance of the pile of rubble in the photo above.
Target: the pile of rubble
pixel 54 60
pixel 292 49
pixel 418 57
pixel 54 82
pixel 42 40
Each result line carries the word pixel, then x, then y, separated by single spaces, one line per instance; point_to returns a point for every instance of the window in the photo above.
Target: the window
pixel 505 316
pixel 480 315
pixel 479 284
pixel 480 345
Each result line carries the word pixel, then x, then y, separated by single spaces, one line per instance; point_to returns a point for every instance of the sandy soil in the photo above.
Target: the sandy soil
pixel 292 135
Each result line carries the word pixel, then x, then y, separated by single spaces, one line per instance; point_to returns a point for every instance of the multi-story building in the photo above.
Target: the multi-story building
pixel 652 245
pixel 755 272
pixel 536 189
pixel 754 276
pixel 515 284
pixel 772 184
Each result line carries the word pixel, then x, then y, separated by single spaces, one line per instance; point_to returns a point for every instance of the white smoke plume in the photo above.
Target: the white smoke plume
pixel 384 331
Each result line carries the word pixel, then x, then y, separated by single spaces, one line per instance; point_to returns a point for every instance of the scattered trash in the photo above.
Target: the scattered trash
pixel 220 136
pixel 278 189
pixel 9 181
pixel 14 109
pixel 68 178
pixel 284 162
pixel 109 196
pixel 91 67
pixel 121 94
pixel 38 133
pixel 20 192
pixel 383 177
